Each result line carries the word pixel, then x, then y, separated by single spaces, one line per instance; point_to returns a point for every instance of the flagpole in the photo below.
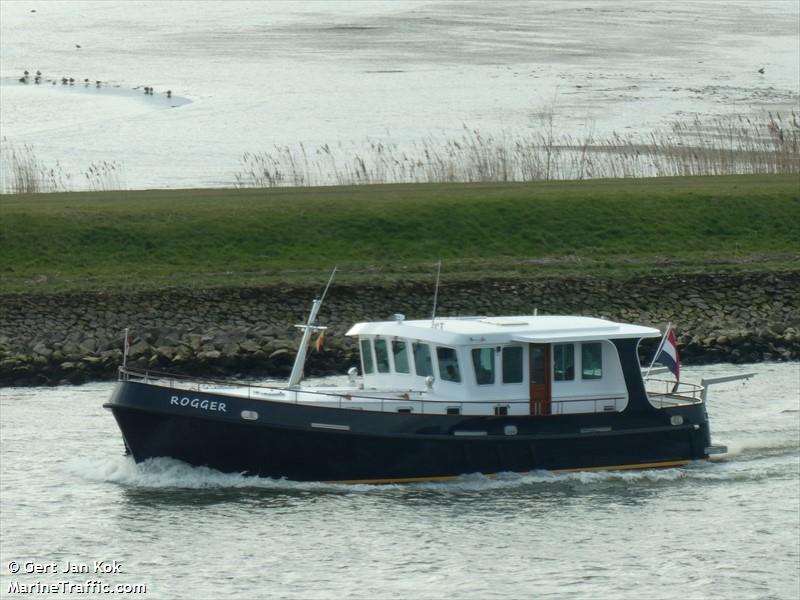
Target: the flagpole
pixel 658 350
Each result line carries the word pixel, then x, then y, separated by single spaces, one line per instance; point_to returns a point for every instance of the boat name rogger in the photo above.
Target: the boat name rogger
pixel 198 404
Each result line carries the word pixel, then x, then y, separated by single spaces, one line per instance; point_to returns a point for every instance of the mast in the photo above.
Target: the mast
pixel 309 328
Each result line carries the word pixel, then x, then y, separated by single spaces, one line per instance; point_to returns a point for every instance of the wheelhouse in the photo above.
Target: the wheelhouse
pixel 539 365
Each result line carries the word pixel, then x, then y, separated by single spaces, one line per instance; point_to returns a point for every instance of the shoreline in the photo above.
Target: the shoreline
pixel 76 337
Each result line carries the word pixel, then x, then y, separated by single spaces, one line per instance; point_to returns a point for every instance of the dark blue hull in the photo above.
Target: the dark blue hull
pixel 309 443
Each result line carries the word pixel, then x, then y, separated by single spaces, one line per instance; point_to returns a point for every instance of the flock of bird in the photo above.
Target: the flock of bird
pixel 37 79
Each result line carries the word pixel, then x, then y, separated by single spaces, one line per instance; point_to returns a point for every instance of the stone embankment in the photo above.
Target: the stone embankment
pixel 78 337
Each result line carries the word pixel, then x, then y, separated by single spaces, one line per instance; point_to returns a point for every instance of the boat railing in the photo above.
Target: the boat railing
pixel 188 382
pixel 605 404
pixel 664 392
pixel 396 402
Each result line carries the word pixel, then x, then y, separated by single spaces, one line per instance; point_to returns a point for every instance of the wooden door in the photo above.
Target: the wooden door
pixel 540 378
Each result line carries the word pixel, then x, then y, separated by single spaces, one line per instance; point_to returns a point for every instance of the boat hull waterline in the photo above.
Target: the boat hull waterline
pixel 304 442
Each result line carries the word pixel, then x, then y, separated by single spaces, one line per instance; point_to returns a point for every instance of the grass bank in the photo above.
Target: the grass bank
pixel 206 238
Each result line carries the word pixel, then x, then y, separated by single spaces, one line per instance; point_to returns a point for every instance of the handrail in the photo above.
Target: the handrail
pixel 678 392
pixel 127 373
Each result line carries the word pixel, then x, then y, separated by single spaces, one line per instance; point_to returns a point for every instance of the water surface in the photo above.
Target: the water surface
pixel 725 529
pixel 249 76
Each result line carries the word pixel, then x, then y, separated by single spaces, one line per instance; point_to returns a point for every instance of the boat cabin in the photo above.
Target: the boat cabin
pixel 538 365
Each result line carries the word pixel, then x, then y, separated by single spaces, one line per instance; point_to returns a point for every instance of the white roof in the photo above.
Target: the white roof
pixel 457 331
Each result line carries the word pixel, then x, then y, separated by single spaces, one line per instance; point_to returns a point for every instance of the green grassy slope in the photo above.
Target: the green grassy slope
pixel 165 238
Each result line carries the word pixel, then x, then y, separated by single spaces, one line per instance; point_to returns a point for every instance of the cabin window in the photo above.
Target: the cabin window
pixel 592 360
pixel 448 364
pixel 563 362
pixel 422 359
pixel 381 356
pixel 400 354
pixel 483 361
pixel 366 357
pixel 512 364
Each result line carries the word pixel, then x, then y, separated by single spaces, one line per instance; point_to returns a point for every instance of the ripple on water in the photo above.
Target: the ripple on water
pixel 168 473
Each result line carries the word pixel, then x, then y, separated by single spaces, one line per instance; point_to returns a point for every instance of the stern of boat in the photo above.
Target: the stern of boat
pixel 684 403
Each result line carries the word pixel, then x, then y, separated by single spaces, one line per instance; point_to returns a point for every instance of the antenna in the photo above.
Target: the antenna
pixel 436 292
pixel 325 291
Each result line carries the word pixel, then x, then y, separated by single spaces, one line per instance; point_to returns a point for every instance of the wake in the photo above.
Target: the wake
pixel 167 473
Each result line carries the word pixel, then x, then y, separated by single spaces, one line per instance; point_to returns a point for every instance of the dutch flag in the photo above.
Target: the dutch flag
pixel 670 356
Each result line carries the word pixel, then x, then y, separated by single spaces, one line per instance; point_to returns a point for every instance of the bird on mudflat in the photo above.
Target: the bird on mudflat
pixel 761 70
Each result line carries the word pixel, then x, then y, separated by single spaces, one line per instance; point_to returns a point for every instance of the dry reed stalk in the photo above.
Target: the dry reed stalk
pixel 23 173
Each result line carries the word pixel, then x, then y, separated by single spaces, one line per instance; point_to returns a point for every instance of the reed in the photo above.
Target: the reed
pixel 23 173
pixel 104 176
pixel 723 145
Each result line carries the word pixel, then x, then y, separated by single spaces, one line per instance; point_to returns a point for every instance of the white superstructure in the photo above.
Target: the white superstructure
pixel 566 364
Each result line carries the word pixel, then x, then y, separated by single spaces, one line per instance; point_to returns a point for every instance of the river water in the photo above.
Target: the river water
pixel 724 529
pixel 250 76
